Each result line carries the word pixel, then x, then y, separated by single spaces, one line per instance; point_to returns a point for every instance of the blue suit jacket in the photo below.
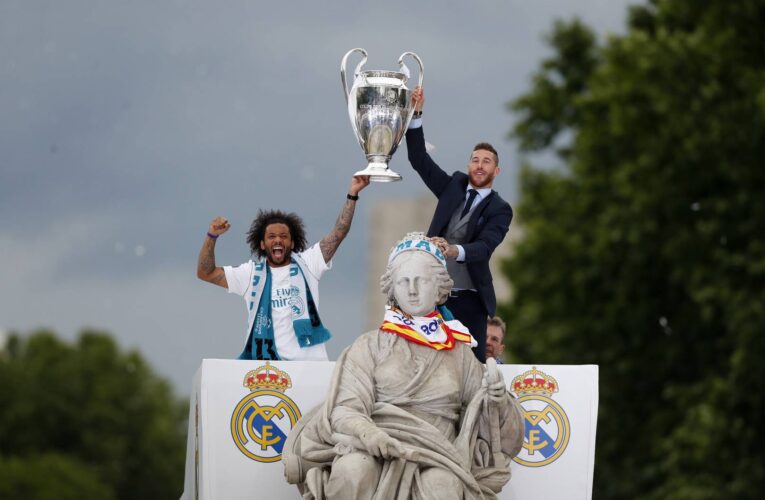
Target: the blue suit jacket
pixel 488 223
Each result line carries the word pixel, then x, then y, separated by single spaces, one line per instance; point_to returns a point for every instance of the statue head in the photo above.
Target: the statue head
pixel 416 279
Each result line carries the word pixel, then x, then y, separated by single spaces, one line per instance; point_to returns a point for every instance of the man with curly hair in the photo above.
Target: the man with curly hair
pixel 281 286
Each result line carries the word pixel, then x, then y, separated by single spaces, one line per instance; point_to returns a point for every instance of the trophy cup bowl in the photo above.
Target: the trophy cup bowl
pixel 380 109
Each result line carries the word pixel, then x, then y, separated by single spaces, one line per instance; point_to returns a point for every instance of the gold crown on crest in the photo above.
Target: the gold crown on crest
pixel 534 382
pixel 267 377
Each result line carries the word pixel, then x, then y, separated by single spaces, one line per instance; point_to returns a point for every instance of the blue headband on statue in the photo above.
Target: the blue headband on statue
pixel 416 241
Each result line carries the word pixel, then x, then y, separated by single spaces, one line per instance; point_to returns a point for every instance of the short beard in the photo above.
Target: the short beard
pixel 486 182
pixel 285 260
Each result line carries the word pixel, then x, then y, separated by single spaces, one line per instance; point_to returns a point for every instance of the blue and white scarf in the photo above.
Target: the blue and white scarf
pixel 305 315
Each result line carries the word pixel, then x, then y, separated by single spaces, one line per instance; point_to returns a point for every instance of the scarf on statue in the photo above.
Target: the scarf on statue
pixel 438 330
pixel 305 316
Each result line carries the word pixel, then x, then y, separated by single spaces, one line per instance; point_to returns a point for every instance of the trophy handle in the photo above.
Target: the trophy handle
pixel 346 89
pixel 416 58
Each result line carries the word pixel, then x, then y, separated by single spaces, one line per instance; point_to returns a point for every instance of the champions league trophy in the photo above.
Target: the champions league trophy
pixel 380 108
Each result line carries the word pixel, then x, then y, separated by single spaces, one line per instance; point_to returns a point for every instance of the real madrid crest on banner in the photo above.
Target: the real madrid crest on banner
pixel 547 428
pixel 262 419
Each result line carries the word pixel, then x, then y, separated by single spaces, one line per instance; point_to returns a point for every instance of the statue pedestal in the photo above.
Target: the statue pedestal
pixel 241 412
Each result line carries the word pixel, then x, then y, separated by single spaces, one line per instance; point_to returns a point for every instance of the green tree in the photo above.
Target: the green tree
pixel 50 477
pixel 645 251
pixel 93 417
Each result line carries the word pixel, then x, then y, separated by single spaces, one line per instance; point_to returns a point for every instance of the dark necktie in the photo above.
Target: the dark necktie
pixel 469 202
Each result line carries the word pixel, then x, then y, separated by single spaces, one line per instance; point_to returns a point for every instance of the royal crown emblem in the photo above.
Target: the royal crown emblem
pixel 546 426
pixel 267 377
pixel 262 420
pixel 534 382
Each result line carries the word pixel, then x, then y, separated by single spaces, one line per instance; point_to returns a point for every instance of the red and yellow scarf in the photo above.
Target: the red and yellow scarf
pixel 431 330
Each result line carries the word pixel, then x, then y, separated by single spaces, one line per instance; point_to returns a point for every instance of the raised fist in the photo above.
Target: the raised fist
pixel 218 226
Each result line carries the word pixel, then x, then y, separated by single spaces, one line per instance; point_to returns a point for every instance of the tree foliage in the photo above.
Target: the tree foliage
pixel 645 253
pixel 50 477
pixel 86 421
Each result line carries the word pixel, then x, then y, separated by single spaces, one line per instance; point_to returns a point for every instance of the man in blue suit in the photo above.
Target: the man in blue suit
pixel 470 220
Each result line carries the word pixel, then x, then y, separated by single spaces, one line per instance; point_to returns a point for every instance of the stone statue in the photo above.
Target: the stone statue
pixel 410 412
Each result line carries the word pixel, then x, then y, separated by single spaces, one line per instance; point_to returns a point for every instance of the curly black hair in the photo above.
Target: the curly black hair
pixel 257 231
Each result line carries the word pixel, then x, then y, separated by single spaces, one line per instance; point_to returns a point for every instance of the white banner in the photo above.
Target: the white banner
pixel 242 411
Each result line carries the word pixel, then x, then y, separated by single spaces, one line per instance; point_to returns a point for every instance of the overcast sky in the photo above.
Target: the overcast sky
pixel 126 126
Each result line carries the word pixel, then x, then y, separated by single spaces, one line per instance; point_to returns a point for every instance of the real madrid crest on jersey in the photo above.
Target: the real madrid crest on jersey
pixel 262 419
pixel 547 429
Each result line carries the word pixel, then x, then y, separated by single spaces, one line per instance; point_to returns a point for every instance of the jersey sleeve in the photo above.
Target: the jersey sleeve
pixel 238 277
pixel 314 261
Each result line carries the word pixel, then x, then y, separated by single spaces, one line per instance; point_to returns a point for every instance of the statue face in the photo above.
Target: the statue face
pixel 414 286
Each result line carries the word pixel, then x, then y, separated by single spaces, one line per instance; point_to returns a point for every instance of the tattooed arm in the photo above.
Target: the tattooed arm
pixel 331 241
pixel 206 268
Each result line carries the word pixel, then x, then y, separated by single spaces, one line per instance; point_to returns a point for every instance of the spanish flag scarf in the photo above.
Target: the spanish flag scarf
pixel 438 330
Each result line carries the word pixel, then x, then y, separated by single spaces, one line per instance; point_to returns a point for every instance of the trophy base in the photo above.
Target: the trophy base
pixel 379 172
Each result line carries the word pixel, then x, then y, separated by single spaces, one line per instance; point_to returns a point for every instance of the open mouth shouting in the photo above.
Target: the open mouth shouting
pixel 278 254
pixel 277 244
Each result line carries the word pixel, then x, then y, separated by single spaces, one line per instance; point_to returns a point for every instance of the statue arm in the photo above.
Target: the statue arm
pixel 509 423
pixel 504 412
pixel 511 427
pixel 354 394
pixel 355 401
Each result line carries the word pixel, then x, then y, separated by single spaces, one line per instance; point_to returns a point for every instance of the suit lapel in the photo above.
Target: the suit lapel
pixel 477 212
pixel 460 222
pixel 445 211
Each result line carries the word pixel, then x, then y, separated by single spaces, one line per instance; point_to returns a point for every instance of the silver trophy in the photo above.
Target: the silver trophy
pixel 380 108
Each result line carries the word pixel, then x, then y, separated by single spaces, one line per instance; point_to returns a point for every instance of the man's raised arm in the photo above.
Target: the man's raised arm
pixel 206 268
pixel 431 174
pixel 332 240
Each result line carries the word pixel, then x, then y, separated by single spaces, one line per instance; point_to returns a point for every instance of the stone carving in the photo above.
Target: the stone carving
pixel 410 412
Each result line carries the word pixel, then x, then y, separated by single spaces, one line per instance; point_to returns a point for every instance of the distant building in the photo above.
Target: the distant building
pixel 392 218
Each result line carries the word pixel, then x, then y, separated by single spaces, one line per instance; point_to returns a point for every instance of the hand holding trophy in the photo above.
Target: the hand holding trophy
pixel 380 108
